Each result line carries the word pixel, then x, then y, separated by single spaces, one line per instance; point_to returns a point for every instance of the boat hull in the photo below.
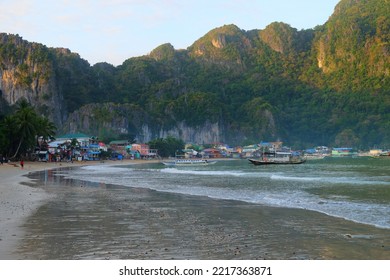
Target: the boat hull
pixel 272 162
pixel 188 162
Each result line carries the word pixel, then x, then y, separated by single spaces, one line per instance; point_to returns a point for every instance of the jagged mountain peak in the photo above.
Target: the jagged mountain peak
pixel 227 45
pixel 345 5
pixel 221 77
pixel 163 52
pixel 280 37
pixel 218 38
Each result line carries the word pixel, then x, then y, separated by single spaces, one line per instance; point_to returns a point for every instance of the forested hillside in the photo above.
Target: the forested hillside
pixel 329 85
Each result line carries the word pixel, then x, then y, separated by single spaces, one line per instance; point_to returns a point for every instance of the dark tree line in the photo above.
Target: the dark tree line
pixel 167 146
pixel 23 131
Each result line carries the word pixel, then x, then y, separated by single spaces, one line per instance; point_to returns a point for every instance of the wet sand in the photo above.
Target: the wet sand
pixel 19 201
pixel 99 221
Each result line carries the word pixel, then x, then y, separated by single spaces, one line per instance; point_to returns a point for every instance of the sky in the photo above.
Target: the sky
pixel 114 30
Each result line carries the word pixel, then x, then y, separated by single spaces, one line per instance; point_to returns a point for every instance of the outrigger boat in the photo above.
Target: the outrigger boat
pixel 278 158
pixel 188 162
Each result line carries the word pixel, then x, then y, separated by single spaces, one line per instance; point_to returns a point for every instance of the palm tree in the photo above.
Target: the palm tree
pixel 7 134
pixel 45 129
pixel 25 122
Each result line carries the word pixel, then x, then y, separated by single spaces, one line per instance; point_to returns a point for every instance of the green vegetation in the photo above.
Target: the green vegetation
pixel 20 131
pixel 167 146
pixel 329 85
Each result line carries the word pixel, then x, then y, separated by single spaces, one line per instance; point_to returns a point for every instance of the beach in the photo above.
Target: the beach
pixel 142 210
pixel 18 200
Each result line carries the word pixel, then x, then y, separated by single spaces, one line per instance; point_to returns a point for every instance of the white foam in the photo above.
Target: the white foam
pixel 332 180
pixel 289 193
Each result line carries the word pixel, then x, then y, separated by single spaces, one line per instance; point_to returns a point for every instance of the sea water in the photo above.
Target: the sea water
pixel 334 208
pixel 356 189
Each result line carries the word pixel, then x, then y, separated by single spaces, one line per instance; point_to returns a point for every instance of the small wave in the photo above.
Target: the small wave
pixel 203 172
pixel 290 178
pixel 216 173
pixel 332 180
pixel 265 192
pixel 104 168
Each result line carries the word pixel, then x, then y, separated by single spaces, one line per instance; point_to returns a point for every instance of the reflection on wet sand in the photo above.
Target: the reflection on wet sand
pixel 99 221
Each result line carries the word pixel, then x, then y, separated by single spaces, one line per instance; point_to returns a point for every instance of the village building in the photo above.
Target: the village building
pixel 144 151
pixel 70 147
pixel 212 153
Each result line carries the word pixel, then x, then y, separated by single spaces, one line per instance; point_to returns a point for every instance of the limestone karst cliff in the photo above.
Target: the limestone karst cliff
pixel 27 71
pixel 231 85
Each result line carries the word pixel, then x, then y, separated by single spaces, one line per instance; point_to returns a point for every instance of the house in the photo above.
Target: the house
pixel 91 152
pixel 189 153
pixel 271 146
pixel 119 148
pixel 375 152
pixel 212 153
pixel 144 150
pixel 236 152
pixel 43 156
pixel 249 151
pixel 87 147
pixel 119 145
pixel 55 150
pixel 81 138
pixel 103 147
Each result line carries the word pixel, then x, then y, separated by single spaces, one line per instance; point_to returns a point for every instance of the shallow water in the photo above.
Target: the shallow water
pixel 326 209
pixel 354 189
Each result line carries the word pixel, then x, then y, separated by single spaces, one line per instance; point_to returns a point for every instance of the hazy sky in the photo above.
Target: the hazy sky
pixel 114 30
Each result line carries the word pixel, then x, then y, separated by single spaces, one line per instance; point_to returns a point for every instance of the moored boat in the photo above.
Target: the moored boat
pixel 188 162
pixel 278 158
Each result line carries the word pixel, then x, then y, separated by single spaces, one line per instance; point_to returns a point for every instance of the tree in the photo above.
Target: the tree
pixel 19 132
pixel 6 134
pixel 168 146
pixel 346 138
pixel 25 126
pixel 45 129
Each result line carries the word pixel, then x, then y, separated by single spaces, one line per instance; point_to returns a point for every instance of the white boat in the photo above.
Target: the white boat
pixel 188 162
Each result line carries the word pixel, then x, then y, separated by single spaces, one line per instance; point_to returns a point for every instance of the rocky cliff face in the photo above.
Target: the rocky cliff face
pixel 229 85
pixel 129 120
pixel 26 71
pixel 206 133
pixel 107 119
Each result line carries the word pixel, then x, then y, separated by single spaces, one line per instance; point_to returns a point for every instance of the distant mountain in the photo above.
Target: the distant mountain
pixel 328 85
pixel 353 46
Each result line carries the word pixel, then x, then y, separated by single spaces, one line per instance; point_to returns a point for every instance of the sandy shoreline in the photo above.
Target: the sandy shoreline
pixel 18 201
pixel 70 218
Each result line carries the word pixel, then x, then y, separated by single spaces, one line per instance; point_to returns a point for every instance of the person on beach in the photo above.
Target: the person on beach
pixel 22 163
